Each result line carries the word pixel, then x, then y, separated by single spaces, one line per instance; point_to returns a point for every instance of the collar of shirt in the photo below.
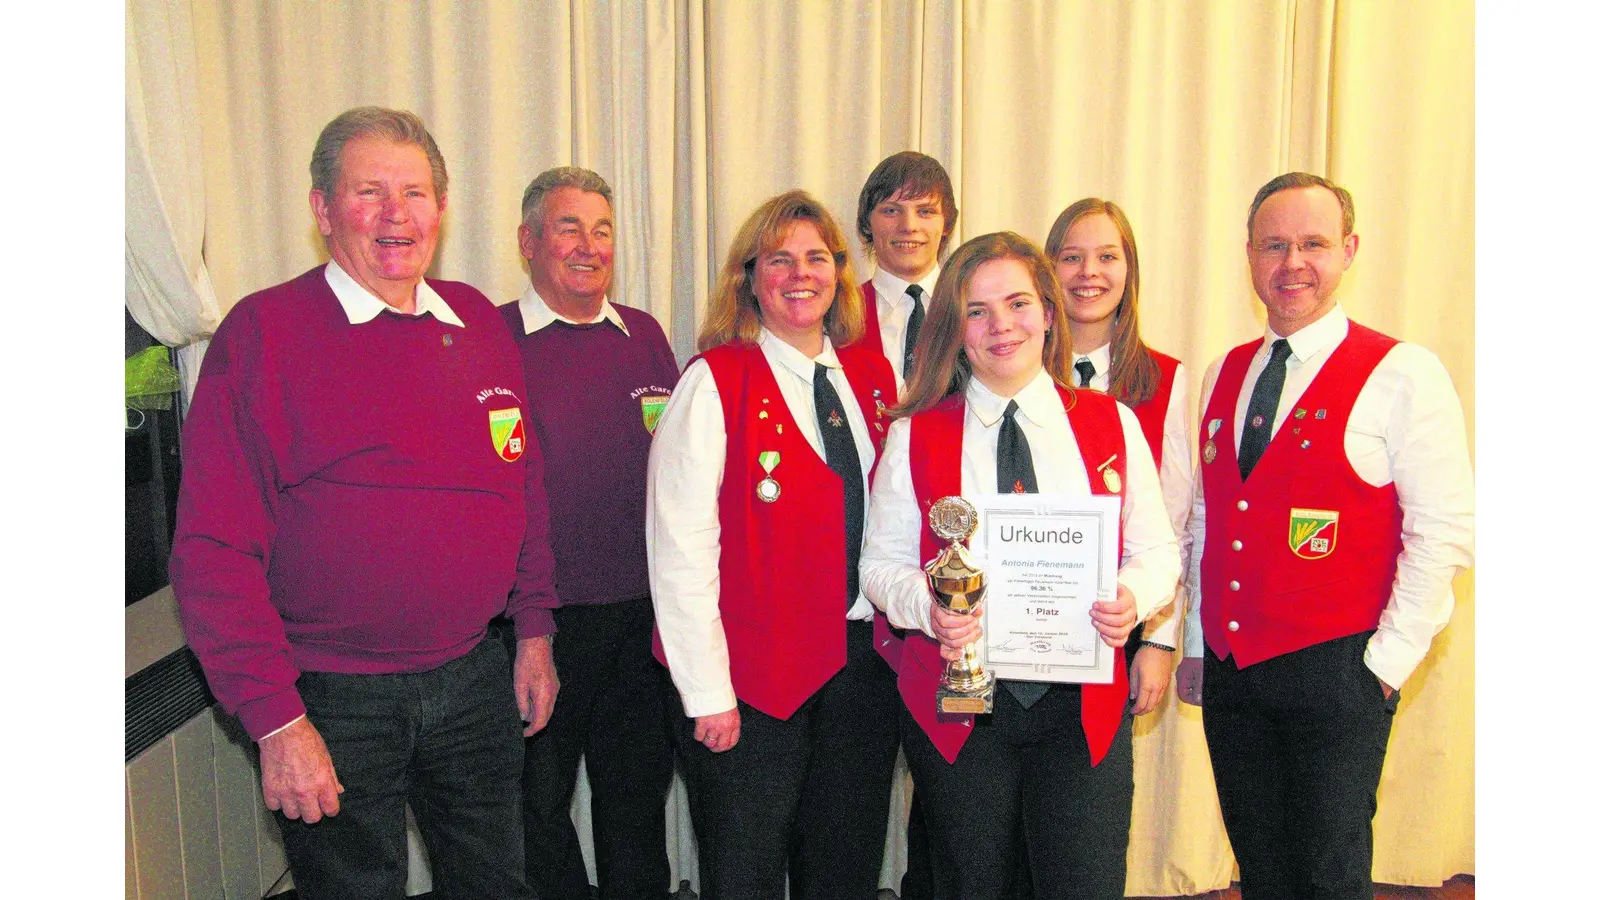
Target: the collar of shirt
pixel 801 365
pixel 891 288
pixel 1101 358
pixel 1032 401
pixel 361 306
pixel 536 313
pixel 1311 340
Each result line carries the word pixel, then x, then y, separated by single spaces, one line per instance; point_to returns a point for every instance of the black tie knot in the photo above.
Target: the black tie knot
pixel 913 328
pixel 1263 409
pixel 1085 371
pixel 1013 458
pixel 1014 474
pixel 839 451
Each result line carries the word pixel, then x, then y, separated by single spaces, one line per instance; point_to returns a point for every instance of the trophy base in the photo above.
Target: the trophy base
pixel 954 702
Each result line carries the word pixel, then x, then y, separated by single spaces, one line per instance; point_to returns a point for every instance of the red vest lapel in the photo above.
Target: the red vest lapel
pixel 1097 427
pixel 873 338
pixel 1152 414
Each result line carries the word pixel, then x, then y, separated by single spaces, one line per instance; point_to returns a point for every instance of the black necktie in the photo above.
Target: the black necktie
pixel 913 326
pixel 1013 466
pixel 1085 371
pixel 1263 409
pixel 839 446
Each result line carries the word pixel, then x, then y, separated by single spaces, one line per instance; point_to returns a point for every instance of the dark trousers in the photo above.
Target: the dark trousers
pixel 612 712
pixel 1027 772
pixel 1021 877
pixel 447 741
pixel 1297 747
pixel 918 882
pixel 810 793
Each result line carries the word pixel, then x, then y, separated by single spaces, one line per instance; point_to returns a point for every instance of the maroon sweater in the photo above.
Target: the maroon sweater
pixel 592 390
pixel 344 507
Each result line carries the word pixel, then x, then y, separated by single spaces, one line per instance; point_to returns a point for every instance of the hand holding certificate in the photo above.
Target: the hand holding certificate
pixel 1049 558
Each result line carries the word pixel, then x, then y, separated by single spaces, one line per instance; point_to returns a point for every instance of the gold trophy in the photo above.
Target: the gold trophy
pixel 958 585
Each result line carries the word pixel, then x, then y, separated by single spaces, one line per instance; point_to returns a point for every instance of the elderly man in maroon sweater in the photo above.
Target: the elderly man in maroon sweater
pixel 598 378
pixel 360 497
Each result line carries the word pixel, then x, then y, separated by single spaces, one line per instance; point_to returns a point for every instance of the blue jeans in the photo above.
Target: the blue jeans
pixel 447 741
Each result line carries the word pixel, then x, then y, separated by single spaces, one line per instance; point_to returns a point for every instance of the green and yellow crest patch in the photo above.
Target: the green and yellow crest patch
pixel 507 433
pixel 1313 532
pixel 652 406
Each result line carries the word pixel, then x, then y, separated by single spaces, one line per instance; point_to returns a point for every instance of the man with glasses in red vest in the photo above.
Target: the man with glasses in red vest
pixel 1334 508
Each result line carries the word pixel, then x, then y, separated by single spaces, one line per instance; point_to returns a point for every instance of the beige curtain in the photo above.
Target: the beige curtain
pixel 169 291
pixel 696 110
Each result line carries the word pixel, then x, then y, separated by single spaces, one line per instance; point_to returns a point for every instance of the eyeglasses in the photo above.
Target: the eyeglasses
pixel 1280 249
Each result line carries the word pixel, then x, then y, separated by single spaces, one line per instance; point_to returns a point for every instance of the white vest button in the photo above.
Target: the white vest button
pixel 1233 626
pixel 1238 545
pixel 1244 505
pixel 1233 585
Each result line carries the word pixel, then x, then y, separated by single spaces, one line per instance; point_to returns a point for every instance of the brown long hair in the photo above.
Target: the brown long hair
pixel 1134 373
pixel 942 366
pixel 734 316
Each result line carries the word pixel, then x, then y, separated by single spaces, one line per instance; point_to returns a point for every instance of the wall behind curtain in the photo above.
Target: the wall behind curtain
pixel 696 110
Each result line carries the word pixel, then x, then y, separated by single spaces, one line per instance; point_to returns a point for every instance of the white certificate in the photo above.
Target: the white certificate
pixel 1048 558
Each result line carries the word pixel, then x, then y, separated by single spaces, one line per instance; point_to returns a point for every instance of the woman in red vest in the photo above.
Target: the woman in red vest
pixel 989 409
pixel 1097 263
pixel 758 477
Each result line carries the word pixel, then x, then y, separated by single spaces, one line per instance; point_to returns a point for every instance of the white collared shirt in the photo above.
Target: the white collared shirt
pixel 891 560
pixel 362 306
pixel 1177 479
pixel 536 313
pixel 1406 427
pixel 683 533
pixel 894 314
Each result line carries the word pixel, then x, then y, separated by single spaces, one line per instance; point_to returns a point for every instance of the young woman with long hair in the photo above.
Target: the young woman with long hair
pixel 989 409
pixel 1097 262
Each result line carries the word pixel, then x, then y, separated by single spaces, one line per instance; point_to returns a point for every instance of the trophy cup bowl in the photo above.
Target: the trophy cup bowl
pixel 958 585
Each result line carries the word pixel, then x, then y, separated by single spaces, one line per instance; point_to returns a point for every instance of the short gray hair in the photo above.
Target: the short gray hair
pixel 398 125
pixel 558 177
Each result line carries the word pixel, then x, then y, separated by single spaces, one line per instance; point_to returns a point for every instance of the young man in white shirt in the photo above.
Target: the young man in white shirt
pixel 905 217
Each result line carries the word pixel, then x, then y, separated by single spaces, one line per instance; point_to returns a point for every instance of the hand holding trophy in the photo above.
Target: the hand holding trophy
pixel 958 585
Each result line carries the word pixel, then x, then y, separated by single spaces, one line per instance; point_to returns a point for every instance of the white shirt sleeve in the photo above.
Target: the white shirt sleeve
pixel 1150 566
pixel 1425 437
pixel 683 541
pixel 1177 492
pixel 1193 637
pixel 891 556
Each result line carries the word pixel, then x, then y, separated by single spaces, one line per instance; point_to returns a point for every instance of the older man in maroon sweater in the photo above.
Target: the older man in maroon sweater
pixel 360 496
pixel 598 378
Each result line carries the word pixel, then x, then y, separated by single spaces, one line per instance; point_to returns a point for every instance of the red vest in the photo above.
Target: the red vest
pixel 1317 546
pixel 779 598
pixel 935 453
pixel 1152 414
pixel 873 339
